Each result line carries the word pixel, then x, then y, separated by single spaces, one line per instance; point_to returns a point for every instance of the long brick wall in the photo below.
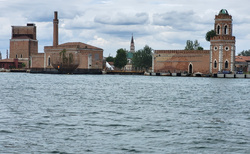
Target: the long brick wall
pixel 176 61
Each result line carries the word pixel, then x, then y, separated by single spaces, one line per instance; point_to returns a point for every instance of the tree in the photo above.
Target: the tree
pixel 210 34
pixel 142 59
pixel 63 56
pixel 190 45
pixel 23 65
pixel 121 58
pixel 110 59
pixel 244 53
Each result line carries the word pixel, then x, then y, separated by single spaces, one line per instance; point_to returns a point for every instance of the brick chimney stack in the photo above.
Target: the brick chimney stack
pixel 55 33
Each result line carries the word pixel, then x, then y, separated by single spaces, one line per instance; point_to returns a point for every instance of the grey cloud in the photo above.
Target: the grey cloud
pixel 122 19
pixel 177 20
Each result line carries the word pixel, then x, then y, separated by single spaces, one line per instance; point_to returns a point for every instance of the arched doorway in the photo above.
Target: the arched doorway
pixel 190 68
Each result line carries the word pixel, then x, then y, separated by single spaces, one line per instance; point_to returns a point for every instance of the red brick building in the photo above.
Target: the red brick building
pixel 24 47
pixel 23 43
pixel 87 56
pixel 10 63
pixel 220 57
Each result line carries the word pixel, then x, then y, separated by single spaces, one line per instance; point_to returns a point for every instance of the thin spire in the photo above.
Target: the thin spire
pixel 132 39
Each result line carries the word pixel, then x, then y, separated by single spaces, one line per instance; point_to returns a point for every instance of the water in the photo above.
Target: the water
pixel 123 114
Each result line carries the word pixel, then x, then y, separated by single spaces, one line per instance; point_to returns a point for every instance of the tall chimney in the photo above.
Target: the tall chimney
pixel 55 32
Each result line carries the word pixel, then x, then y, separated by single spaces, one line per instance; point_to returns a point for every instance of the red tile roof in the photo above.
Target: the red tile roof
pixel 79 44
pixel 242 58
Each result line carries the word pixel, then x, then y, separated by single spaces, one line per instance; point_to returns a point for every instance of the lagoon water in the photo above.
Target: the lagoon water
pixel 41 113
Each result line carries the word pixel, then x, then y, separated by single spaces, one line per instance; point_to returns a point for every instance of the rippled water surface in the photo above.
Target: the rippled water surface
pixel 42 113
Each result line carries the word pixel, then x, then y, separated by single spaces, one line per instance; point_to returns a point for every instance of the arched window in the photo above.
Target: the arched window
pixel 16 56
pixel 49 61
pixel 218 29
pixel 215 64
pixel 21 56
pixel 225 30
pixel 226 64
pixel 190 68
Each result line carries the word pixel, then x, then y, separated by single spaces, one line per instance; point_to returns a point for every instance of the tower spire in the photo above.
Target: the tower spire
pixel 132 45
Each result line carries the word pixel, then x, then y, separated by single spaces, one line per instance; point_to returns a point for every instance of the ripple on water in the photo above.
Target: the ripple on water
pixel 123 114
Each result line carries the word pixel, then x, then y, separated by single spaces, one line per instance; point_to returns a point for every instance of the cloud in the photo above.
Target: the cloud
pixel 122 19
pixel 98 41
pixel 176 20
pixel 109 24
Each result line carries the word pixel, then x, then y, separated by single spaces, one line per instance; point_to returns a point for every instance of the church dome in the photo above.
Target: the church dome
pixel 223 11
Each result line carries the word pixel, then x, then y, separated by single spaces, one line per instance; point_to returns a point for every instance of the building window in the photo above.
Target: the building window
pixel 215 48
pixel 49 61
pixel 226 64
pixel 16 56
pixel 190 69
pixel 215 64
pixel 218 29
pixel 226 48
pixel 21 56
pixel 225 30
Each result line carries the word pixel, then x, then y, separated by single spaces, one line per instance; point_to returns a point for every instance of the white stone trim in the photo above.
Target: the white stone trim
pixel 189 67
pixel 211 58
pixel 220 58
pixel 44 63
pixel 232 57
pixel 89 61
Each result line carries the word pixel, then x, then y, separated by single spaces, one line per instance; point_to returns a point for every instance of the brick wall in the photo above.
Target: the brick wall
pixel 179 61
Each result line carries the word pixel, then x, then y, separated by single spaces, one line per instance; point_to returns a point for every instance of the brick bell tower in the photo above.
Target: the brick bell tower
pixel 222 46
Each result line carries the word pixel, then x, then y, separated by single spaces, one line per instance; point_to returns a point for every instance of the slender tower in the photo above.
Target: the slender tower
pixel 222 46
pixel 55 30
pixel 0 55
pixel 7 54
pixel 132 45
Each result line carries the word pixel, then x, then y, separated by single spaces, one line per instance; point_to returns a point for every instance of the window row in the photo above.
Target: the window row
pixel 225 29
pixel 225 64
pixel 21 56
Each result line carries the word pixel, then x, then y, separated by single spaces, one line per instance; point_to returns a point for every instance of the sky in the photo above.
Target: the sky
pixel 110 24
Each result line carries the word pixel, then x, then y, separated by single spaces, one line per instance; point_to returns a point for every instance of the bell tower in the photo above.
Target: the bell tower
pixel 222 46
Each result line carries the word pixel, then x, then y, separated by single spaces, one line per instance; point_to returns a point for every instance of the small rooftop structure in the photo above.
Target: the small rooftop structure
pixel 223 11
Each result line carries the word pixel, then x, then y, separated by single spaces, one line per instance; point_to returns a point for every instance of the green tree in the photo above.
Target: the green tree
pixel 210 34
pixel 121 58
pixel 142 59
pixel 63 56
pixel 110 59
pixel 190 45
pixel 244 53
pixel 23 65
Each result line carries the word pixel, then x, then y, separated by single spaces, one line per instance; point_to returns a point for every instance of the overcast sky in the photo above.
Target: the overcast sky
pixel 109 24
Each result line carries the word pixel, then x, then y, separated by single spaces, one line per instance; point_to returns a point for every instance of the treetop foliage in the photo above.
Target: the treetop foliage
pixel 190 45
pixel 110 59
pixel 121 58
pixel 142 59
pixel 210 34
pixel 244 53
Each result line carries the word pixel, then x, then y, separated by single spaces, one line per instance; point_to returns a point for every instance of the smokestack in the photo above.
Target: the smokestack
pixel 55 32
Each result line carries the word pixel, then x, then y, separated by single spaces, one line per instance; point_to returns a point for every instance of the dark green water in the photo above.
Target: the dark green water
pixel 123 114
